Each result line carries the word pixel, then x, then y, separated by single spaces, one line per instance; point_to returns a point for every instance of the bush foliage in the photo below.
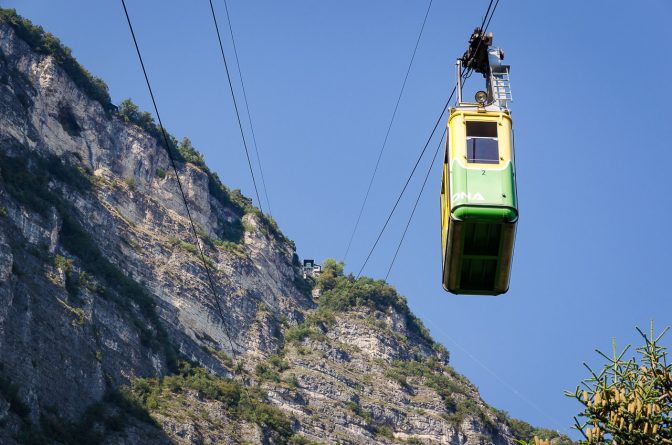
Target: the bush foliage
pixel 239 401
pixel 342 292
pixel 524 433
pixel 185 152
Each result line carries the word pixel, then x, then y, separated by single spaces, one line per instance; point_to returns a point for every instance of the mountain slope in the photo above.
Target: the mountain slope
pixel 109 332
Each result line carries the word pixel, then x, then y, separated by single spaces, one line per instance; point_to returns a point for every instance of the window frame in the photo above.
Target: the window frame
pixel 483 131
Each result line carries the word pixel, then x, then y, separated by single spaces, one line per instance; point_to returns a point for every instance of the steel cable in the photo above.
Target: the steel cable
pixel 415 206
pixel 387 134
pixel 177 177
pixel 408 180
pixel 247 108
pixel 235 104
pixel 464 74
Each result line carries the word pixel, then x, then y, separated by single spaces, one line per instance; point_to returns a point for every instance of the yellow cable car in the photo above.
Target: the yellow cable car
pixel 478 191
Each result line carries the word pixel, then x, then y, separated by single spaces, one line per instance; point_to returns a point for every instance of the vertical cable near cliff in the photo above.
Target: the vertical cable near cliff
pixel 387 134
pixel 166 141
pixel 247 109
pixel 235 104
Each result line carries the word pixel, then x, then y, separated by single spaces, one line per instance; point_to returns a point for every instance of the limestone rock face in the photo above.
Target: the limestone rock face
pixel 61 352
pixel 101 284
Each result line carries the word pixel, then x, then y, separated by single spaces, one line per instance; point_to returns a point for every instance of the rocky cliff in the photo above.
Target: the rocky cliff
pixel 110 332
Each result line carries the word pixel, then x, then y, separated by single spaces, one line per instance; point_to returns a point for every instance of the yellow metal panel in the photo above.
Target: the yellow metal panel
pixel 458 137
pixel 445 204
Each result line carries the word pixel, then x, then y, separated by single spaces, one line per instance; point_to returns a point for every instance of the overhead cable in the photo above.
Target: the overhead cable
pixel 235 104
pixel 387 134
pixel 493 13
pixel 167 145
pixel 408 180
pixel 487 11
pixel 464 74
pixel 247 108
pixel 484 29
pixel 415 206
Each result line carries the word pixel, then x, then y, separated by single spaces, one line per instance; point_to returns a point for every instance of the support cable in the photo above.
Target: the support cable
pixel 247 108
pixel 415 206
pixel 387 134
pixel 408 180
pixel 486 13
pixel 166 141
pixel 519 394
pixel 235 104
pixel 484 30
pixel 465 74
pixel 493 13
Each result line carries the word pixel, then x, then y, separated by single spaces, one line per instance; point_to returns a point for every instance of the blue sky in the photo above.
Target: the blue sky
pixel 590 88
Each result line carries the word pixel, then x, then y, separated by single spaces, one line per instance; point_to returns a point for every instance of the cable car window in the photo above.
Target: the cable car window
pixel 482 150
pixel 482 129
pixel 482 145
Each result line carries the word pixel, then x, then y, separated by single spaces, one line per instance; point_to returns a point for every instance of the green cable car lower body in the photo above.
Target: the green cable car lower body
pixel 479 251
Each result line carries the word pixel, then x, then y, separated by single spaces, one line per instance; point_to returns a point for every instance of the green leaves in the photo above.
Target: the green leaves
pixel 341 293
pixel 240 402
pixel 628 402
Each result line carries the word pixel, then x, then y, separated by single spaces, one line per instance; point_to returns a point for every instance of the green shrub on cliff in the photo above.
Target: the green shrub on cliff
pixel 184 151
pixel 240 402
pixel 341 292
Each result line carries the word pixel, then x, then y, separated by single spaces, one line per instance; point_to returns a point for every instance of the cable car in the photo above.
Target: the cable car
pixel 479 208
